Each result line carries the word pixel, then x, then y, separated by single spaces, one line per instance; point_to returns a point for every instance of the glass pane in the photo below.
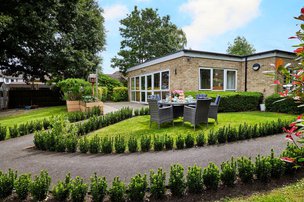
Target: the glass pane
pixel 133 84
pixel 165 94
pixel 165 80
pixel 143 83
pixel 231 80
pixel 156 81
pixel 133 96
pixel 149 82
pixel 205 78
pixel 137 96
pixel 143 97
pixel 218 79
pixel 157 93
pixel 148 93
pixel 137 83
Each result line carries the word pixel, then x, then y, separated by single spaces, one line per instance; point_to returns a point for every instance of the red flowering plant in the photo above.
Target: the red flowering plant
pixel 294 77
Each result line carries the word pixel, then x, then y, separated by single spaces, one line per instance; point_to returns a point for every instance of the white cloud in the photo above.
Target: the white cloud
pixel 115 12
pixel 215 17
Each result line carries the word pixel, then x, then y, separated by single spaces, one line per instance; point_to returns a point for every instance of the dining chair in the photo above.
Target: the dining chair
pixel 198 114
pixel 160 114
pixel 213 110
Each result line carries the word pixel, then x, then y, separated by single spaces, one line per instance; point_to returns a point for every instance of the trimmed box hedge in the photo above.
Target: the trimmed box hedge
pixel 233 101
pixel 286 106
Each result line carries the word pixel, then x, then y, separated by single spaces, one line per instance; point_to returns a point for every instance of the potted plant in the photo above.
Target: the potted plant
pixel 74 90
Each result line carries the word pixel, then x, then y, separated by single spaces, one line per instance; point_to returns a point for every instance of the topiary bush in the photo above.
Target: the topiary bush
pixel 234 101
pixel 229 173
pixel 3 130
pixel 78 189
pixel 137 188
pixel 117 191
pixel 61 190
pixel 120 94
pixel 288 105
pixel 98 188
pixel 94 145
pixel 13 131
pixel 21 186
pixel 157 183
pixel 145 143
pixel 195 179
pixel 177 181
pixel 84 144
pixel 158 143
pixel 211 176
pixel 39 187
pixel 168 142
pixel 212 137
pixel 107 147
pixel 132 145
pixel 7 181
pixel 189 140
pixel 180 142
pixel 263 168
pixel 200 139
pixel 119 145
pixel 245 169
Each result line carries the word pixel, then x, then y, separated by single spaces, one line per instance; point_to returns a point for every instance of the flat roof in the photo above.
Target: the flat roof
pixel 213 55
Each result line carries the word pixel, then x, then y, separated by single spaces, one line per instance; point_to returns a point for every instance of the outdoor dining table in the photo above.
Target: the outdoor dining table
pixel 178 106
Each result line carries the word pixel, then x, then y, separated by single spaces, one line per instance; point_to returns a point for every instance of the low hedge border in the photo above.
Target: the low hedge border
pixel 234 101
pixel 53 142
pixel 288 105
pixel 180 183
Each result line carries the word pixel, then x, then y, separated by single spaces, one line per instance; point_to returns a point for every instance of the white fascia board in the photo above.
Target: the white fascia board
pixel 214 56
pixel 269 55
pixel 157 61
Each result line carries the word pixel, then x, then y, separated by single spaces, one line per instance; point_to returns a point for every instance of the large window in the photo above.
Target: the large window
pixel 156 83
pixel 217 79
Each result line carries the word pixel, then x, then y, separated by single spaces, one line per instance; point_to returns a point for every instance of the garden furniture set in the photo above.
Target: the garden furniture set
pixel 193 111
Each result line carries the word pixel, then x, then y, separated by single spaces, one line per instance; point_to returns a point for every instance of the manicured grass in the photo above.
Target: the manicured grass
pixel 30 115
pixel 293 192
pixel 140 125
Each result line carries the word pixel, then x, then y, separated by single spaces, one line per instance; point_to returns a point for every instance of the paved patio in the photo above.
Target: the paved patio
pixel 113 106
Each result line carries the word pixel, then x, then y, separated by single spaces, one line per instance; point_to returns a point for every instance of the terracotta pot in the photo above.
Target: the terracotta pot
pixel 73 106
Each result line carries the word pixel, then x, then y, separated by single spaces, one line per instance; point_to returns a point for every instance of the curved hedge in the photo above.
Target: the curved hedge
pixel 286 106
pixel 233 101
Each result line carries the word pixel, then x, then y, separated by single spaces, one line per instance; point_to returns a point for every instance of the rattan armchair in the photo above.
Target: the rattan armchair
pixel 160 114
pixel 213 110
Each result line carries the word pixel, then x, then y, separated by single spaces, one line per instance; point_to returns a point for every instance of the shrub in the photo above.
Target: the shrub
pixel 195 179
pixel 83 144
pixel 200 139
pixel 288 105
pixel 158 183
pixel 94 145
pixel 234 101
pixel 212 137
pixel 158 143
pixel 13 131
pixel 245 169
pixel 120 94
pixel 119 145
pixel 102 93
pixel 262 169
pixel 106 145
pixel 78 189
pixel 21 185
pixel 277 166
pixel 132 145
pixel 180 142
pixel 108 82
pixel 211 176
pixel 145 143
pixel 72 88
pixel 137 187
pixel 177 182
pixel 98 187
pixel 222 135
pixel 60 144
pixel 39 187
pixel 7 181
pixel 168 142
pixel 71 142
pixel 117 191
pixel 23 129
pixel 189 141
pixel 61 191
pixel 229 172
pixel 2 132
pixel 232 134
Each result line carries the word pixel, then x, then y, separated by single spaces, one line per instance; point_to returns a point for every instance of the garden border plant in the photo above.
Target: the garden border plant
pixel 196 180
pixel 49 140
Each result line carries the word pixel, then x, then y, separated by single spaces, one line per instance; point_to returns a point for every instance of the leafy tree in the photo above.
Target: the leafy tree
pixel 50 39
pixel 146 35
pixel 109 82
pixel 240 47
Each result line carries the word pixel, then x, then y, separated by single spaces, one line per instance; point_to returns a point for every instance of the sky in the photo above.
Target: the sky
pixel 210 24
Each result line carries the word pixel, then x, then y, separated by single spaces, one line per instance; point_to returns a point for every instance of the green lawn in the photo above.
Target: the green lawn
pixel 140 125
pixel 30 115
pixel 293 192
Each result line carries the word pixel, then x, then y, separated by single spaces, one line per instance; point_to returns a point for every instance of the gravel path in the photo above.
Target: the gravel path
pixel 17 154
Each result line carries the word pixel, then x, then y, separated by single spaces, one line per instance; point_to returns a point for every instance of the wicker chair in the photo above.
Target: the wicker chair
pixel 201 96
pixel 213 110
pixel 199 114
pixel 160 115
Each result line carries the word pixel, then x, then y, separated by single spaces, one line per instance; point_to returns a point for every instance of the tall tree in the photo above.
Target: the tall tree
pixel 53 39
pixel 240 47
pixel 146 35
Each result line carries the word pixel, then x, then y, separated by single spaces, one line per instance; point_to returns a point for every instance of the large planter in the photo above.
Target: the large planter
pixel 73 106
pixel 87 106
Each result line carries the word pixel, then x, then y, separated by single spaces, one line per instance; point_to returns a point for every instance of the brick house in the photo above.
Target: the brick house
pixel 192 70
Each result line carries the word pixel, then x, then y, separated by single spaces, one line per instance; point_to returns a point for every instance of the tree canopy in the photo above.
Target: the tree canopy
pixel 50 39
pixel 146 35
pixel 240 47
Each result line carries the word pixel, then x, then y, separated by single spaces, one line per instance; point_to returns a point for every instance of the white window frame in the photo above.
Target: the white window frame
pixel 211 79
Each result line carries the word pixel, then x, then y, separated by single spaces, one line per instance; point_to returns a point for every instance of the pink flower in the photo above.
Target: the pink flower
pixel 298 134
pixel 289 137
pixel 288 159
pixel 284 94
pixel 302 11
pixel 299 50
pixel 299 117
pixel 277 82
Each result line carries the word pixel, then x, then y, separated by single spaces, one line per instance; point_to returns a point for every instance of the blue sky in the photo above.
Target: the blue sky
pixel 211 24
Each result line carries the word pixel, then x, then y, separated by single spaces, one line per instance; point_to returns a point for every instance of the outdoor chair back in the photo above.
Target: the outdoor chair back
pixel 201 96
pixel 160 115
pixel 213 111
